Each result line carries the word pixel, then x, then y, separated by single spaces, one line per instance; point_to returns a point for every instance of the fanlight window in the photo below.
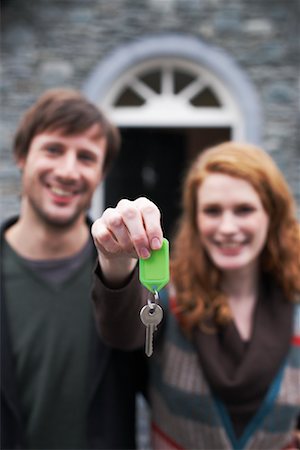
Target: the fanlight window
pixel 174 81
pixel 170 92
pixel 192 89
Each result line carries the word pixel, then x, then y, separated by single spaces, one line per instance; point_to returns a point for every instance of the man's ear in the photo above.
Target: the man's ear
pixel 20 162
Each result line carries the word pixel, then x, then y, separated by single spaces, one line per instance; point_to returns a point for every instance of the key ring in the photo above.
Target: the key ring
pixel 152 304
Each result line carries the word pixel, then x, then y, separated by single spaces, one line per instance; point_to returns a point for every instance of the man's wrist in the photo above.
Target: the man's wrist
pixel 116 272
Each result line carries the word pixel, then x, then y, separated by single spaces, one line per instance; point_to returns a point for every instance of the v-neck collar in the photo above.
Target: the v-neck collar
pixel 54 285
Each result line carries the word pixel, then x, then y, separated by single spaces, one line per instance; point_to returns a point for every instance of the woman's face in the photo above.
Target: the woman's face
pixel 232 222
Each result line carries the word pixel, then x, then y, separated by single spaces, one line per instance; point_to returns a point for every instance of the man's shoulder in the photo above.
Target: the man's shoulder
pixel 5 224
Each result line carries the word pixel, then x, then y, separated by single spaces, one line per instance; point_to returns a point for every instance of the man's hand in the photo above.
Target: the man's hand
pixel 125 233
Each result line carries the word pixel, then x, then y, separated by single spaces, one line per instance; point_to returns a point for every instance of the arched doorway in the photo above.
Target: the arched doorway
pixel 152 164
pixel 171 96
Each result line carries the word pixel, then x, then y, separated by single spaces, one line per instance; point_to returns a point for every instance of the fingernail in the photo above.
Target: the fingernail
pixel 144 252
pixel 155 243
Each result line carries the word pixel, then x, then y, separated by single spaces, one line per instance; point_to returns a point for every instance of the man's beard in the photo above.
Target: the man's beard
pixel 56 223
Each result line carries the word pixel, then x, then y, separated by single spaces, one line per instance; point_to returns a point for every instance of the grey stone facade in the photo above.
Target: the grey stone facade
pixel 48 43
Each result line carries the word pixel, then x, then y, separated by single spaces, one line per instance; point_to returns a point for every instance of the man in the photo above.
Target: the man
pixel 61 387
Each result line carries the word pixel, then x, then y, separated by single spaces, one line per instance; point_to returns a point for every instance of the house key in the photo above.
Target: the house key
pixel 151 316
pixel 154 275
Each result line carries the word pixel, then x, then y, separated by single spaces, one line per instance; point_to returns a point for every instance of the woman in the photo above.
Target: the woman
pixel 225 372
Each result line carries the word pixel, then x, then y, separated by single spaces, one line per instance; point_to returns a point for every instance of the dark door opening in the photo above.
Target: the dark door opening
pixel 153 162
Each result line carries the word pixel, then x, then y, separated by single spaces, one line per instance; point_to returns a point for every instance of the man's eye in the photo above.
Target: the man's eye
pixel 88 157
pixel 53 149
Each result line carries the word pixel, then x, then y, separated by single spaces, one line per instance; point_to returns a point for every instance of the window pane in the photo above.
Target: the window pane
pixel 182 80
pixel 129 98
pixel 205 98
pixel 153 80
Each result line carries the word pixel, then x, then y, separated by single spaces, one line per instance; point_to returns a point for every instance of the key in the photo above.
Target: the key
pixel 151 316
pixel 154 275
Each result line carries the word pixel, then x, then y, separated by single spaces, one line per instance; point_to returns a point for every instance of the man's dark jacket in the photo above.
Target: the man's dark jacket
pixel 114 380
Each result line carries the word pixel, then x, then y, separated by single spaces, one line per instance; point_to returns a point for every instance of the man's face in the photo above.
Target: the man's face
pixel 61 173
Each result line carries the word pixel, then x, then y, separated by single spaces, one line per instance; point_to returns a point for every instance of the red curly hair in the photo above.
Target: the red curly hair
pixel 195 277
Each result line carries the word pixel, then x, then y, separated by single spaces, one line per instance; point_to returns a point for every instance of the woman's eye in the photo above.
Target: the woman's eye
pixel 212 211
pixel 244 209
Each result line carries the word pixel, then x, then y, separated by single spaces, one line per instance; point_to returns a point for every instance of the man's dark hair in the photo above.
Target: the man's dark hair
pixel 68 111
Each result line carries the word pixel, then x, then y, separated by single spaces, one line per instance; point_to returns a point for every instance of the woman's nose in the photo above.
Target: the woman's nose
pixel 228 224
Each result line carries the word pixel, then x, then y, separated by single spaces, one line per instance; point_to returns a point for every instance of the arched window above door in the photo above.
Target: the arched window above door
pixel 171 92
pixel 176 80
pixel 167 80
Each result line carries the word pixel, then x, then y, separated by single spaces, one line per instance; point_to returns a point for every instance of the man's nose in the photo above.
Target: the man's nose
pixel 67 167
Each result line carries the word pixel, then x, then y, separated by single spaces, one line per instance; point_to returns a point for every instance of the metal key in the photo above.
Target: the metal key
pixel 151 316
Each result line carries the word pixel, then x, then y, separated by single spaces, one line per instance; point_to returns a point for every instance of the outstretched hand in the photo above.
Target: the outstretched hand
pixel 124 233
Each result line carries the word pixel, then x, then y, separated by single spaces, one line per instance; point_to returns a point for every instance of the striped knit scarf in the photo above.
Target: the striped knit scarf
pixel 188 415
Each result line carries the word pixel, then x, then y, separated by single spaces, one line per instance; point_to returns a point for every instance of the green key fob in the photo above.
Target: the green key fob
pixel 154 271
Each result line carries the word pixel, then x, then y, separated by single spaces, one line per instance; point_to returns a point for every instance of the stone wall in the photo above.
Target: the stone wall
pixel 48 43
